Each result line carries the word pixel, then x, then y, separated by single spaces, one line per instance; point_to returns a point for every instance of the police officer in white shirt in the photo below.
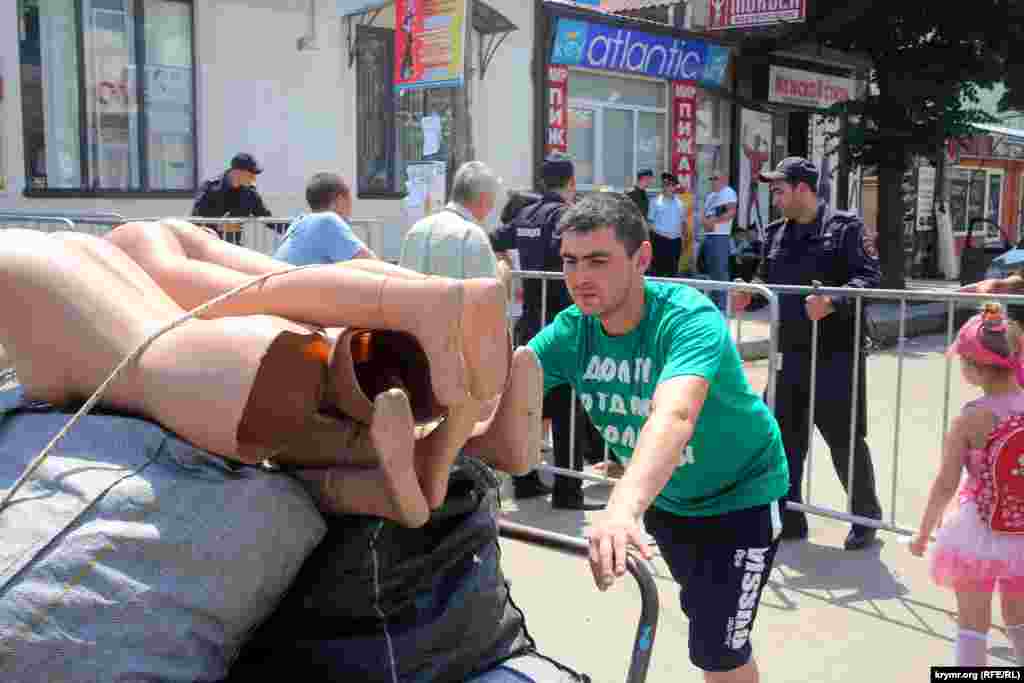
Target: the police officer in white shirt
pixel 719 214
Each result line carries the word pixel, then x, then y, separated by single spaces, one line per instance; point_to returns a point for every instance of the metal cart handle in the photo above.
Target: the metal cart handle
pixel 648 626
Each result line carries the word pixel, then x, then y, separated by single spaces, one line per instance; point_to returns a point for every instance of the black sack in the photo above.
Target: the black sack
pixel 442 591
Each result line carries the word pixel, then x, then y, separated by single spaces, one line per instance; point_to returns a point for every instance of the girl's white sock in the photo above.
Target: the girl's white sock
pixel 971 648
pixel 1016 635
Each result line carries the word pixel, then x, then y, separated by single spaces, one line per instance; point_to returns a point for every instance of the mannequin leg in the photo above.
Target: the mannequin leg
pixel 390 490
pixel 459 324
pixel 510 439
pixel 75 287
pixel 436 452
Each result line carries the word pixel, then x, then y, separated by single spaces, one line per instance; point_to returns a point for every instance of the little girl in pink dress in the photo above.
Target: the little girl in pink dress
pixel 980 545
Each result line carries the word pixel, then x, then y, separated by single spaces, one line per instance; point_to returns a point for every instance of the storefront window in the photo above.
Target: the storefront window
pixel 583 143
pixel 976 193
pixel 138 135
pixel 616 127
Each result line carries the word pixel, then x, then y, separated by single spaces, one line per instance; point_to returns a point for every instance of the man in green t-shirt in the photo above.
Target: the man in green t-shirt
pixel 660 378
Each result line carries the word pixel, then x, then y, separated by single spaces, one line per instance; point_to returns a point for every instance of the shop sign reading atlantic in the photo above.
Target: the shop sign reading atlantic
pixel 613 48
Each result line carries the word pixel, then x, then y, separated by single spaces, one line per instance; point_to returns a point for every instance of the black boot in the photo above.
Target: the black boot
pixel 794 525
pixel 529 486
pixel 860 537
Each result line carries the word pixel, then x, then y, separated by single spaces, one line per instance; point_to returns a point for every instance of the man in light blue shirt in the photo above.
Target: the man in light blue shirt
pixel 668 225
pixel 719 212
pixel 323 236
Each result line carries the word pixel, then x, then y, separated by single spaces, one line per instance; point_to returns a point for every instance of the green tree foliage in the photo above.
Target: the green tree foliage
pixel 929 58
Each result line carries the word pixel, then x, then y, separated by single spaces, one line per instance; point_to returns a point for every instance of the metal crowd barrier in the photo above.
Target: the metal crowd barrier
pixel 954 302
pixel 646 630
pixel 260 234
pixel 54 221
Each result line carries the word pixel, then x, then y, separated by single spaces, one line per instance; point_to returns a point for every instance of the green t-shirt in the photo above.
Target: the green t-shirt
pixel 735 459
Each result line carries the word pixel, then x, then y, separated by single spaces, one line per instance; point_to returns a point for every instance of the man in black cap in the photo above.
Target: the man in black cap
pixel 233 193
pixel 813 242
pixel 533 232
pixel 638 194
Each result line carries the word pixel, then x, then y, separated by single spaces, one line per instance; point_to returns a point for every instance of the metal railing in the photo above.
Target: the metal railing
pixel 646 630
pixel 253 233
pixel 955 304
pixel 257 234
pixel 53 221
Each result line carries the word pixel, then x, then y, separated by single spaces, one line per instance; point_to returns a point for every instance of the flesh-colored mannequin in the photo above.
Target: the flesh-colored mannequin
pixel 78 305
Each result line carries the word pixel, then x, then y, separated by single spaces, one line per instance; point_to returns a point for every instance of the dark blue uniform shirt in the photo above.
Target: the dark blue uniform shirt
pixel 217 199
pixel 534 233
pixel 834 250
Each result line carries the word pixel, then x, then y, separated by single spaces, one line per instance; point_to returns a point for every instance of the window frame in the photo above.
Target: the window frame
pixel 390 127
pixel 397 163
pixel 143 116
pixel 988 173
pixel 599 107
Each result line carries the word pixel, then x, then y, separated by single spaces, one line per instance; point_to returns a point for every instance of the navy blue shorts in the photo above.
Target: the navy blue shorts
pixel 721 564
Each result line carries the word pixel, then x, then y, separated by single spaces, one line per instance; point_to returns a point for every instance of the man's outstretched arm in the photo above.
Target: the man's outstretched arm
pixel 666 433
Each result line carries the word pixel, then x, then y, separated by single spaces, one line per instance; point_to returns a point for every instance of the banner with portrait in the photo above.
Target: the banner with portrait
pixel 755 155
pixel 429 42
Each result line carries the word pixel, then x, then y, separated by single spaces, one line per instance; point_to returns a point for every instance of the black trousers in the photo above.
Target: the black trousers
pixel 559 406
pixel 665 261
pixel 833 401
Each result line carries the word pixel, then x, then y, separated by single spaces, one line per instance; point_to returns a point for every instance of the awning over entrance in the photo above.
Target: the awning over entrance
pixel 492 25
pixel 349 8
pixel 1015 133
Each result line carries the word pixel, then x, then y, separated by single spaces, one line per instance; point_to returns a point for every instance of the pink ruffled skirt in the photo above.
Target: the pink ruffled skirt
pixel 970 557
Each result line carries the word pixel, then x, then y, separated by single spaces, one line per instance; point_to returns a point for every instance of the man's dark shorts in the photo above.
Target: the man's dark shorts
pixel 721 563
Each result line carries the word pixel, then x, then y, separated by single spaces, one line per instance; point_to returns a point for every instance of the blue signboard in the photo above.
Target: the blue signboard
pixel 613 48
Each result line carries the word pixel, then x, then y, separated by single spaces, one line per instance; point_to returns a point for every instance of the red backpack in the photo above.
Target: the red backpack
pixel 1001 496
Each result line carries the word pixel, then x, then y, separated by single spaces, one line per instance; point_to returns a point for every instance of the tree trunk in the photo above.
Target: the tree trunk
pixel 890 225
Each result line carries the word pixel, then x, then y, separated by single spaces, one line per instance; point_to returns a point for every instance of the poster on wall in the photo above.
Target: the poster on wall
pixel 755 156
pixel 558 109
pixel 428 43
pixel 824 147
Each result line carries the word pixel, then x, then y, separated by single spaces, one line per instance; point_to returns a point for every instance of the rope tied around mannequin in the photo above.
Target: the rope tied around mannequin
pixel 131 358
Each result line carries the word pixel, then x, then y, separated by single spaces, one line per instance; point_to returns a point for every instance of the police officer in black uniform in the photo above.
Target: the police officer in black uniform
pixel 233 193
pixel 812 242
pixel 533 231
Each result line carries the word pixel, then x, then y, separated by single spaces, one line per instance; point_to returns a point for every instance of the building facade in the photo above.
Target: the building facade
pixel 128 105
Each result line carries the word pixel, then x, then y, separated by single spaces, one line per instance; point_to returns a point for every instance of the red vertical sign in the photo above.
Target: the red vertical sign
pixel 408 41
pixel 558 110
pixel 684 133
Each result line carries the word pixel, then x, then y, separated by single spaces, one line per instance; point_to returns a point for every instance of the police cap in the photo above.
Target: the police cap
pixel 244 161
pixel 793 170
pixel 557 166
